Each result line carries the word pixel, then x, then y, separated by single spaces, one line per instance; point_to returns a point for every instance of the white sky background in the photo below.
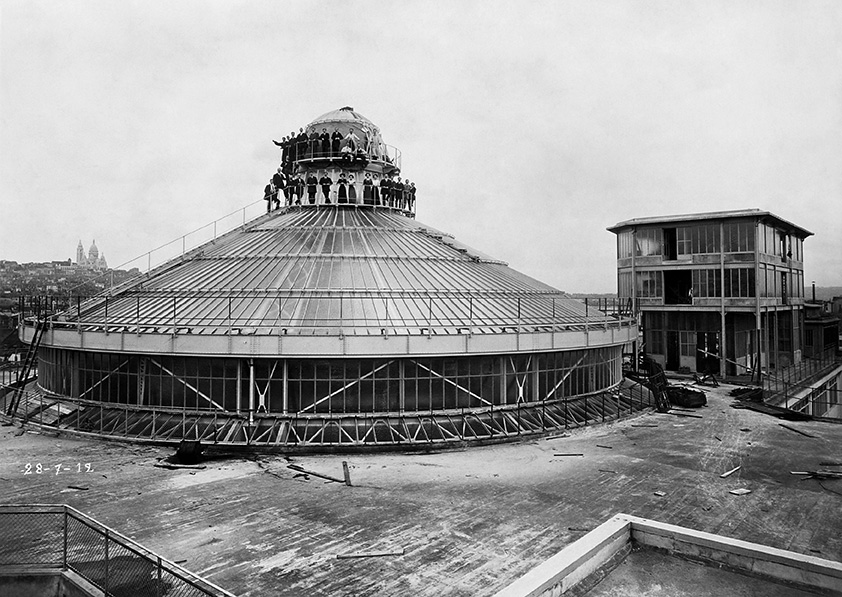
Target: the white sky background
pixel 528 127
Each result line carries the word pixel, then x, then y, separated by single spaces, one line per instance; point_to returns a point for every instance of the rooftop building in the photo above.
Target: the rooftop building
pixel 719 292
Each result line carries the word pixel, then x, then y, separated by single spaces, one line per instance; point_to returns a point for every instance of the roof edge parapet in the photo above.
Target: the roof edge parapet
pixel 713 215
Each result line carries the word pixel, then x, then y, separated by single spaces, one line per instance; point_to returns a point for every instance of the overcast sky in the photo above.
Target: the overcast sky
pixel 528 127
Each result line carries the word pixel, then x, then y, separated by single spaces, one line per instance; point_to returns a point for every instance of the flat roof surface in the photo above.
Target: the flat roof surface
pixel 713 215
pixel 646 572
pixel 470 522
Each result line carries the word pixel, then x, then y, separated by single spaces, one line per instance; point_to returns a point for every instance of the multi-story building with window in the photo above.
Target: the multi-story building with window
pixel 719 292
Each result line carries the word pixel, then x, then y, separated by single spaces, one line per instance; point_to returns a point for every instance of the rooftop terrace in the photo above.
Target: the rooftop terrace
pixel 467 522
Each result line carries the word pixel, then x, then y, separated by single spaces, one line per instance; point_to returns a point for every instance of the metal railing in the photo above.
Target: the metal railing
pixel 349 193
pixel 315 152
pixel 60 537
pixel 288 314
pixel 777 380
pixel 179 246
pixel 796 387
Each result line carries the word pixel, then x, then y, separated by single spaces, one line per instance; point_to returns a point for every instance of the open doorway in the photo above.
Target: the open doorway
pixel 707 352
pixel 678 287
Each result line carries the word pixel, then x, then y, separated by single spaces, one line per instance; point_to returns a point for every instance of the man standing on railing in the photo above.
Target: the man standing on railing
pixel 315 144
pixel 326 181
pixel 368 191
pixel 411 196
pixel 397 193
pixel 268 193
pixel 291 154
pixel 335 142
pixel 312 182
pixel 302 142
pixel 324 138
pixel 351 140
pixel 279 182
pixel 386 190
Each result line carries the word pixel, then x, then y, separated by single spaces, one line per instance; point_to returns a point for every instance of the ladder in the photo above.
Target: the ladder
pixel 28 363
pixel 657 383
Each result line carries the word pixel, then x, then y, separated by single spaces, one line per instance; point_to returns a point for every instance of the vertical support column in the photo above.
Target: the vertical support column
pixel 141 379
pixel 239 396
pixel 758 232
pixel 285 406
pixel 401 387
pixel 776 332
pixel 251 391
pixel 503 397
pixel 634 274
pixel 723 341
pixel 533 373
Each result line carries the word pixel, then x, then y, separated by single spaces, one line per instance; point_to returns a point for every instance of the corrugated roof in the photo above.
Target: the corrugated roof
pixel 335 269
pixel 713 215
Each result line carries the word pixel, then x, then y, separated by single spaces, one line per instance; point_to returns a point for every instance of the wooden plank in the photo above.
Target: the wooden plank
pixel 370 554
pixel 683 415
pixel 804 433
pixel 729 473
pixel 301 469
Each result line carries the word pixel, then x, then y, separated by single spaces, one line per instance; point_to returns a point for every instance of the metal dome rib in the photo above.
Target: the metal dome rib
pixel 358 270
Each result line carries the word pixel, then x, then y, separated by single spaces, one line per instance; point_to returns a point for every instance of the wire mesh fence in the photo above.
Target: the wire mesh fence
pixel 31 538
pixel 60 537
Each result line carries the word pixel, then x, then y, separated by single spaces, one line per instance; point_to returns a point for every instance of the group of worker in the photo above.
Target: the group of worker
pixel 351 148
pixel 390 191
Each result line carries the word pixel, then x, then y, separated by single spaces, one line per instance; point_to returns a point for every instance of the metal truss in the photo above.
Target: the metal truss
pixel 327 432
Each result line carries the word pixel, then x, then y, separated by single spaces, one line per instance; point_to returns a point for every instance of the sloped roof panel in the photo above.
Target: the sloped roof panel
pixel 337 270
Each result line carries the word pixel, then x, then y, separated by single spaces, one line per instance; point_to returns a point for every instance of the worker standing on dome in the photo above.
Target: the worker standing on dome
pixel 301 143
pixel 352 189
pixel 315 144
pixel 335 142
pixel 368 189
pixel 312 182
pixel 342 190
pixel 268 192
pixel 386 190
pixel 326 182
pixel 278 182
pixel 352 140
pixel 376 189
pixel 324 138
pixel 412 197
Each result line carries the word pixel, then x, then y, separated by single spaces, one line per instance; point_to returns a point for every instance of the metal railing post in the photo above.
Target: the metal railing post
pixel 64 540
pixel 106 562
pixel 158 584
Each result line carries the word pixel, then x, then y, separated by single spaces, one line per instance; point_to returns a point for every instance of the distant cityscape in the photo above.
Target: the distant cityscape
pixel 87 276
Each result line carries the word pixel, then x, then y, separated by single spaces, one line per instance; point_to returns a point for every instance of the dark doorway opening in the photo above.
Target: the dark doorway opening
pixel 707 352
pixel 678 286
pixel 670 245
